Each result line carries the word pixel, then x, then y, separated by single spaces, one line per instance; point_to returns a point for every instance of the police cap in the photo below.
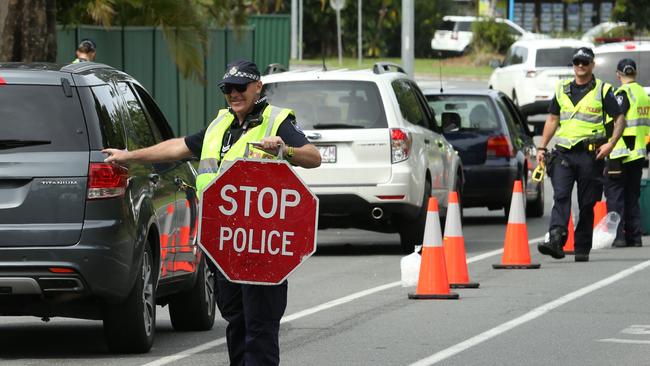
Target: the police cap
pixel 626 66
pixel 240 72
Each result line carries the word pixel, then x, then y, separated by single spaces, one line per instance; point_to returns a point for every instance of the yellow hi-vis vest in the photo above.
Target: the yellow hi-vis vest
pixel 638 123
pixel 210 165
pixel 583 120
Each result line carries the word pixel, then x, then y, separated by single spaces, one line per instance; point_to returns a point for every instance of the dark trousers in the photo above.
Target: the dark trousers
pixel 581 166
pixel 623 194
pixel 253 313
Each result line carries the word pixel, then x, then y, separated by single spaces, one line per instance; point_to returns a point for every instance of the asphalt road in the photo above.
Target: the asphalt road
pixel 346 307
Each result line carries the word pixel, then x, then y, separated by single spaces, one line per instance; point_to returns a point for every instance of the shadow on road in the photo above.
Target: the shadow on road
pixel 358 249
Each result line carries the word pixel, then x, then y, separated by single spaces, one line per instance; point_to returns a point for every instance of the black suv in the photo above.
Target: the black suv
pixel 85 239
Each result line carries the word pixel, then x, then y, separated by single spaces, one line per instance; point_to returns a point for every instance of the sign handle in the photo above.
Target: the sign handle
pixel 259 145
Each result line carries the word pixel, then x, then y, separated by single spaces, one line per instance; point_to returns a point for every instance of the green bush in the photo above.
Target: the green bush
pixel 490 36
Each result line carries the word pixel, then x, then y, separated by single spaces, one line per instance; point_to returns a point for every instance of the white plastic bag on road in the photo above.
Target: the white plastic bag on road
pixel 605 232
pixel 410 266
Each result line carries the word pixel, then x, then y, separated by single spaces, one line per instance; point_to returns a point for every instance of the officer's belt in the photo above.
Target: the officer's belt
pixel 589 145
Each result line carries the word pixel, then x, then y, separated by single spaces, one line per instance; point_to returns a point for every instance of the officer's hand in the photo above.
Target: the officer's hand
pixel 116 156
pixel 604 150
pixel 540 156
pixel 271 144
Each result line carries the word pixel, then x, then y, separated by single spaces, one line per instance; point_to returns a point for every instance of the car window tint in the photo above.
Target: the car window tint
pixel 447 25
pixel 138 131
pixel 464 26
pixel 42 113
pixel 514 112
pixel 606 66
pixel 156 115
pixel 408 103
pixel 111 120
pixel 554 57
pixel 473 112
pixel 513 128
pixel 515 56
pixel 330 104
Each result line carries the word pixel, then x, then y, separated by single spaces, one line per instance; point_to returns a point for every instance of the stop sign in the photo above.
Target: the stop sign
pixel 258 221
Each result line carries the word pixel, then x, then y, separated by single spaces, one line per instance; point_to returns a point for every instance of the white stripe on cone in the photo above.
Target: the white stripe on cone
pixel 517 214
pixel 432 234
pixel 452 225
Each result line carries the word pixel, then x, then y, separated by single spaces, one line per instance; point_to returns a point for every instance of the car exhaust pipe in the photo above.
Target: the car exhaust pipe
pixel 377 213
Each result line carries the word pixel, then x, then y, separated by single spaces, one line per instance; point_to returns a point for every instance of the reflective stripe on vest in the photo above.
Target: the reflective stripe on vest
pixel 583 120
pixel 210 165
pixel 638 120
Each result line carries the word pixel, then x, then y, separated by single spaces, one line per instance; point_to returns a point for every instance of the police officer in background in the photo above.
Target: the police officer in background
pixel 253 312
pixel 623 179
pixel 578 109
pixel 86 51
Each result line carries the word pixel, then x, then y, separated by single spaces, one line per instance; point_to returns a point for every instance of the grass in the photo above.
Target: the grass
pixel 461 67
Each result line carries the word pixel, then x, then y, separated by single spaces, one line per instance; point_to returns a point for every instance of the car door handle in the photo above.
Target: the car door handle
pixel 154 178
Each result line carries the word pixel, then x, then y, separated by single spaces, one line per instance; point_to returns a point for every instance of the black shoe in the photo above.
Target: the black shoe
pixel 548 248
pixel 618 243
pixel 581 257
pixel 637 244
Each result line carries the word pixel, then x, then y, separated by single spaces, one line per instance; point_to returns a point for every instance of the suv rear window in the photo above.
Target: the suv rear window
pixel 464 26
pixel 330 104
pixel 474 112
pixel 554 57
pixel 606 66
pixel 43 115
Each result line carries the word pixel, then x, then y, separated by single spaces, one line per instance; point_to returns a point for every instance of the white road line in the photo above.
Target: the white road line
pixel 627 341
pixel 531 315
pixel 328 305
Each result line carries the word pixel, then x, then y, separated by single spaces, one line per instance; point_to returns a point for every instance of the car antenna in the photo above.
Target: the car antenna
pixel 440 70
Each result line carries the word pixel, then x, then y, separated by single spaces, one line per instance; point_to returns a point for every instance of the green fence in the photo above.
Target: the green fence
pixel 143 53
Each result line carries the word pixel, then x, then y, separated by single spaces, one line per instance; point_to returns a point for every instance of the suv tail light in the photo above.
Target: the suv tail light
pixel 499 146
pixel 400 145
pixel 454 35
pixel 106 180
pixel 531 73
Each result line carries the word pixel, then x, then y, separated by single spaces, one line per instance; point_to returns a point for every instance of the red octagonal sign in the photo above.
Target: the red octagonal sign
pixel 258 221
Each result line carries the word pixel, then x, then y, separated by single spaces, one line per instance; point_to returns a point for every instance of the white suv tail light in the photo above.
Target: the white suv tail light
pixel 400 145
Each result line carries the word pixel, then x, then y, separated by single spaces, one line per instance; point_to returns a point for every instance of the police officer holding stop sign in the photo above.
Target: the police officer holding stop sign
pixel 253 312
pixel 578 109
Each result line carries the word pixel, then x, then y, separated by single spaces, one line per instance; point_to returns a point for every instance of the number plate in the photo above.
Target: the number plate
pixel 327 153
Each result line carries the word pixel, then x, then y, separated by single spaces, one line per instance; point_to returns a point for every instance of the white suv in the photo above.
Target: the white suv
pixel 531 70
pixel 383 153
pixel 455 33
pixel 608 56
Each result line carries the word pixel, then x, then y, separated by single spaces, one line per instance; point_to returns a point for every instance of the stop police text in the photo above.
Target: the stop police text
pixel 247 240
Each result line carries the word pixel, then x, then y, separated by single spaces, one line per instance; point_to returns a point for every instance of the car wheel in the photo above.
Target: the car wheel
pixel 536 207
pixel 129 327
pixel 412 231
pixel 194 309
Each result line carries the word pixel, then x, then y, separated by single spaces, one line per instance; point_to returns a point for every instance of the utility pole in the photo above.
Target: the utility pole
pixel 408 15
pixel 359 40
pixel 300 14
pixel 294 29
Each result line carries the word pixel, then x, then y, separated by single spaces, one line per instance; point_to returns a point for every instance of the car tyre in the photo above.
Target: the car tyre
pixel 129 327
pixel 412 231
pixel 194 309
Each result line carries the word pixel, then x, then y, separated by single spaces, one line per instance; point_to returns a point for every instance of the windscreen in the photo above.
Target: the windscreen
pixel 606 66
pixel 35 118
pixel 330 104
pixel 554 57
pixel 473 112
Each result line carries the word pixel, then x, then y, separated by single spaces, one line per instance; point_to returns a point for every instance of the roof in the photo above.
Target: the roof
pixel 630 46
pixel 552 43
pixel 335 74
pixel 85 73
pixel 454 91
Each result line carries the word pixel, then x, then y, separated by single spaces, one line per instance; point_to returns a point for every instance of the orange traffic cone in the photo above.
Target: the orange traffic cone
pixel 600 211
pixel 432 282
pixel 516 254
pixel 569 247
pixel 454 244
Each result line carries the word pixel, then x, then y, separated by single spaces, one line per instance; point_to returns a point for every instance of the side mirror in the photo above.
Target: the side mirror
pixel 450 122
pixel 495 64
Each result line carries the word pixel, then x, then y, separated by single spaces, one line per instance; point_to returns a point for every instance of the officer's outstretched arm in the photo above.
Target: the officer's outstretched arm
pixel 551 124
pixel 306 156
pixel 169 150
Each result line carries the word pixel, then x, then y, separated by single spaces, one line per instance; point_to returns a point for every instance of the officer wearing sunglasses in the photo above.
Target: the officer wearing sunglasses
pixel 253 312
pixel 577 118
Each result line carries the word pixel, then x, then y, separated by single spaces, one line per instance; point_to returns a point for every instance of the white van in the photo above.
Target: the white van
pixel 455 34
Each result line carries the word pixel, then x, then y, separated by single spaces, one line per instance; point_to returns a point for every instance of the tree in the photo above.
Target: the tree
pixel 634 12
pixel 27 30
